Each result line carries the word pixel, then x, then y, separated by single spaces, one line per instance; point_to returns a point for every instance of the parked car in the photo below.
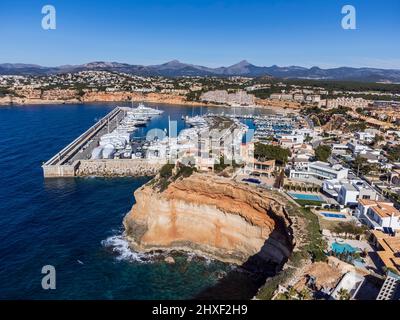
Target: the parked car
pixel 251 180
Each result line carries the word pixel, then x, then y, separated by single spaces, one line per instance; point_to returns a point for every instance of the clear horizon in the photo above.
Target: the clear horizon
pixel 207 33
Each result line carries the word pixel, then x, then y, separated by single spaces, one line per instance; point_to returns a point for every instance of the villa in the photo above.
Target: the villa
pixel 365 136
pixel 357 148
pixel 379 215
pixel 321 171
pixel 347 192
pixel 339 148
pixel 260 168
pixel 388 249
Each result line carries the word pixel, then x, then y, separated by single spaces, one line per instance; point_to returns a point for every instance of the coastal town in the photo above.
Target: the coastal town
pixel 371 100
pixel 200 158
pixel 332 157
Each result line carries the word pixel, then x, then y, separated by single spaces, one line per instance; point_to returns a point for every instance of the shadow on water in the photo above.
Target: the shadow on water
pixel 243 282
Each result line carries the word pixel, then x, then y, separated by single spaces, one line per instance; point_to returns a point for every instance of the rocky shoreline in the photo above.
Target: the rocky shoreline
pixel 211 216
pixel 128 97
pixel 89 97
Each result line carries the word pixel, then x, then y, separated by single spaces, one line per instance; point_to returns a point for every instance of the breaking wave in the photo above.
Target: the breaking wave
pixel 120 246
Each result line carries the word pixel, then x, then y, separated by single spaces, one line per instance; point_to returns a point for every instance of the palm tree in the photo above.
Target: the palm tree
pixel 343 294
pixel 305 294
pixel 291 293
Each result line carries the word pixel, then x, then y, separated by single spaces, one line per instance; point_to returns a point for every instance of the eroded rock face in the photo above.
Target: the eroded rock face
pixel 212 216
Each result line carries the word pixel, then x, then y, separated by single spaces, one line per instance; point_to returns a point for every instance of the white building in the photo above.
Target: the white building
pixel 314 98
pixel 305 132
pixel 357 148
pixel 349 102
pixel 391 287
pixel 347 192
pixel 378 215
pixel 339 148
pixel 321 171
pixel 298 97
pixel 300 162
pixel 294 138
pixel 351 282
pixel 365 136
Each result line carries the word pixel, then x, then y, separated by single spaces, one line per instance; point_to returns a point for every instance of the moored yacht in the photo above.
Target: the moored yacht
pixel 145 111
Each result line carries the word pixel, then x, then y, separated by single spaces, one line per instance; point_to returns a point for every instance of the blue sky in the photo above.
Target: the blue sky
pixel 211 33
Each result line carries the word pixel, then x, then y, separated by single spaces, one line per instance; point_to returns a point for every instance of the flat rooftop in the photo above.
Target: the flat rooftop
pixel 327 166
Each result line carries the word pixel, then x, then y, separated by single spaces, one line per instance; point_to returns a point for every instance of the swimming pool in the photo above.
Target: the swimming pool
pixel 333 215
pixel 343 247
pixel 302 196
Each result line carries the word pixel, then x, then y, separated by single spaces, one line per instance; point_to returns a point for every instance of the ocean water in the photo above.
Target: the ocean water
pixel 76 224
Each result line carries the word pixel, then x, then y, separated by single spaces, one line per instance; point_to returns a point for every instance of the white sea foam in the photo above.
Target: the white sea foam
pixel 119 245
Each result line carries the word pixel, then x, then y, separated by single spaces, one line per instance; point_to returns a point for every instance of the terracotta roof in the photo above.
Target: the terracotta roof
pixel 382 209
pixel 390 249
pixel 267 163
pixel 385 210
pixel 367 202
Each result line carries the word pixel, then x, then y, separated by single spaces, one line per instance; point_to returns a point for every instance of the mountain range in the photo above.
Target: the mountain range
pixel 176 68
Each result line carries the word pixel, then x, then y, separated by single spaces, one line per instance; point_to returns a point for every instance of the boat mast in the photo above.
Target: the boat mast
pixel 169 130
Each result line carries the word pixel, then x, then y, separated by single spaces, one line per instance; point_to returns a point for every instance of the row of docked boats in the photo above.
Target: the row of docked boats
pixel 117 144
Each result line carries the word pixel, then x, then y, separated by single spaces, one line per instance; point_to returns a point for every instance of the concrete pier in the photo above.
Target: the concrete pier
pixel 74 160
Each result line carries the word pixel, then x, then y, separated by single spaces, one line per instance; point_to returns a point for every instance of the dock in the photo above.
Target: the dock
pixel 74 160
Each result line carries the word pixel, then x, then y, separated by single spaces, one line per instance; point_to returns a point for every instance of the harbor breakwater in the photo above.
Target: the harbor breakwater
pixel 118 167
pixel 104 168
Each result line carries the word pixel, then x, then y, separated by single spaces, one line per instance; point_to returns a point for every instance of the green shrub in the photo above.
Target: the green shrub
pixel 308 202
pixel 323 152
pixel 185 171
pixel 166 171
pixel 265 152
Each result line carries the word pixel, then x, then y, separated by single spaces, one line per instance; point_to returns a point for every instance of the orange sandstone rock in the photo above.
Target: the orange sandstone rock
pixel 210 215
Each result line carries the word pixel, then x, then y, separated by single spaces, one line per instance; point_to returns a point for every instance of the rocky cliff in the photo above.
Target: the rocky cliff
pixel 60 96
pixel 212 216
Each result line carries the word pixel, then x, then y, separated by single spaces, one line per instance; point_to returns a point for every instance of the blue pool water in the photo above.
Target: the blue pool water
pixel 342 248
pixel 333 215
pixel 301 196
pixel 76 224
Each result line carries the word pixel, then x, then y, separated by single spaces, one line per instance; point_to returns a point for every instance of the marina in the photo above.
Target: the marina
pixel 78 219
pixel 114 147
pixel 110 138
